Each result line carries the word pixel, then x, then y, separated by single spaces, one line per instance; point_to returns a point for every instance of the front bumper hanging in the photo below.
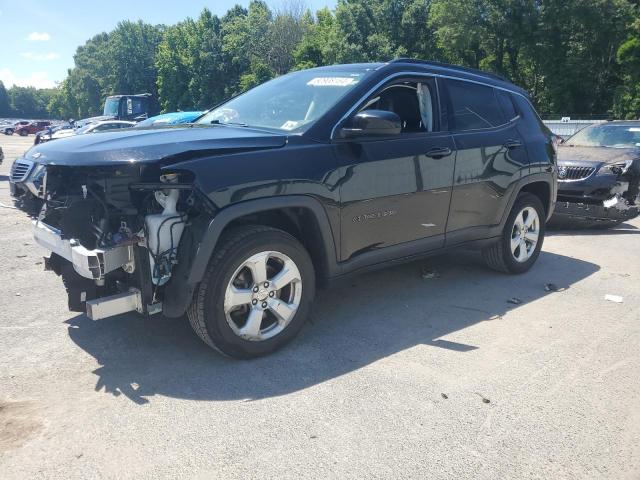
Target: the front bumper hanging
pixel 92 264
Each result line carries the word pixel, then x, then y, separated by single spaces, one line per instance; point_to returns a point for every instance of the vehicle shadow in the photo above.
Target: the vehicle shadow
pixel 352 325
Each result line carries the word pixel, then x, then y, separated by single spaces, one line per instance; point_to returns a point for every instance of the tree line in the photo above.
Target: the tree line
pixel 579 57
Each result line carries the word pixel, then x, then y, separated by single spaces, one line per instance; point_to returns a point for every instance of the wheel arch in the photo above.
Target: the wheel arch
pixel 540 185
pixel 301 216
pixel 542 190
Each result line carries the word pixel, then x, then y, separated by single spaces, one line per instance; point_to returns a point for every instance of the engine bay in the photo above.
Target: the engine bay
pixel 115 231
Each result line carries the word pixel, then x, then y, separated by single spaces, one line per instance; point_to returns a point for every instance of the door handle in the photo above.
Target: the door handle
pixel 439 152
pixel 511 144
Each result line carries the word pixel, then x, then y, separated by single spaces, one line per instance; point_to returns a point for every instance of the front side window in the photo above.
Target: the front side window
pixel 473 106
pixel 413 102
pixel 289 103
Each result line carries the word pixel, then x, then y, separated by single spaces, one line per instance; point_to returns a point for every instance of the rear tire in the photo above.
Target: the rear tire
pixel 515 251
pixel 9 131
pixel 23 133
pixel 241 314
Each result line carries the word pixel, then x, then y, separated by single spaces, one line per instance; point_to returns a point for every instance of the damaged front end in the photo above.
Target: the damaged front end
pixel 597 194
pixel 115 234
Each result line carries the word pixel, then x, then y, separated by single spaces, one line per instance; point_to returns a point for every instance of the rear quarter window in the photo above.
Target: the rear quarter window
pixel 506 103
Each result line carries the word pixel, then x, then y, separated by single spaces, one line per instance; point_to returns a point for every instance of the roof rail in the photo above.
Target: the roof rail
pixel 434 63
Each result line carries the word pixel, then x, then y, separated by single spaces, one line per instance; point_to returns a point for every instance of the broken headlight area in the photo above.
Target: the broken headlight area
pixel 625 193
pixel 114 234
pixel 620 168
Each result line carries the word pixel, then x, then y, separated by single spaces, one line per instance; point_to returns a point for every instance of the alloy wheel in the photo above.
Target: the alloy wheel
pixel 263 296
pixel 525 234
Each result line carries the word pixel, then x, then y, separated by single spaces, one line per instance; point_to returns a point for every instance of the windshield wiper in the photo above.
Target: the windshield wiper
pixel 234 124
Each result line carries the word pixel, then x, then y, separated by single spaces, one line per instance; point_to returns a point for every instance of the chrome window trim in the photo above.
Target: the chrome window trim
pixel 430 75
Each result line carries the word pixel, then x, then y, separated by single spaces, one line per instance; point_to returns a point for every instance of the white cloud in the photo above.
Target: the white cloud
pixel 40 56
pixel 39 37
pixel 36 79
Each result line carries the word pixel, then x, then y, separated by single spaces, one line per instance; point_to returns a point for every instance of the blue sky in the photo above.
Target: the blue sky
pixel 38 38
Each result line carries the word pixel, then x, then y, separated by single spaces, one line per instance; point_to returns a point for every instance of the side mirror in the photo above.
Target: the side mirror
pixel 372 123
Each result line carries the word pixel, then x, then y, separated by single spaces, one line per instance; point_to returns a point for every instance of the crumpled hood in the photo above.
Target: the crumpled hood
pixel 595 156
pixel 151 145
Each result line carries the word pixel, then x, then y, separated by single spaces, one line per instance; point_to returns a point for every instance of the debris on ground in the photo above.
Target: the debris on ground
pixel 514 301
pixel 613 298
pixel 444 395
pixel 429 274
pixel 21 256
pixel 552 287
pixel 18 294
pixel 484 399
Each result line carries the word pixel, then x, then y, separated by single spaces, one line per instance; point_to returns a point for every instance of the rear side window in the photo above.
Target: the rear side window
pixel 504 98
pixel 473 106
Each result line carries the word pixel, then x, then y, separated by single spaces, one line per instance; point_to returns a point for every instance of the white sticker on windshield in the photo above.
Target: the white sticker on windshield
pixel 289 125
pixel 331 81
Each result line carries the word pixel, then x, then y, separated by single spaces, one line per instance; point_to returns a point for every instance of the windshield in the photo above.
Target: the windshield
pixel 151 121
pixel 289 103
pixel 85 128
pixel 111 107
pixel 607 135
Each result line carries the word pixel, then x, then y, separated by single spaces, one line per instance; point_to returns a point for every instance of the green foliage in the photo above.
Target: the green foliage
pixel 122 61
pixel 627 99
pixel 573 56
pixel 29 102
pixel 5 106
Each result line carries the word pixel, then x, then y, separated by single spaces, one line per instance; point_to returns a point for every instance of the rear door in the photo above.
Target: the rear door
pixel 490 158
pixel 396 191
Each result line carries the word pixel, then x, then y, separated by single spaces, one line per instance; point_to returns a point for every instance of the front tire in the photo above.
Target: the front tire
pixel 256 292
pixel 522 237
pixel 8 131
pixel 23 133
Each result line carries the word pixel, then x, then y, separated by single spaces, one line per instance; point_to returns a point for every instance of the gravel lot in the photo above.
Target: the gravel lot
pixel 396 376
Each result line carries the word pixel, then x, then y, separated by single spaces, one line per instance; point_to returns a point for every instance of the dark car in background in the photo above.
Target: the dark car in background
pixel 309 177
pixel 598 176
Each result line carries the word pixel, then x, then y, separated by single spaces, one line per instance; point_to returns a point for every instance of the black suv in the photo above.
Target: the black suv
pixel 235 219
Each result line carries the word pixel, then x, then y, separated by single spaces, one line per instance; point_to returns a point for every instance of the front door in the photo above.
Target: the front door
pixel 395 192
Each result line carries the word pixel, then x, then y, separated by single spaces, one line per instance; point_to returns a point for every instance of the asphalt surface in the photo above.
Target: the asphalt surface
pixel 396 376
